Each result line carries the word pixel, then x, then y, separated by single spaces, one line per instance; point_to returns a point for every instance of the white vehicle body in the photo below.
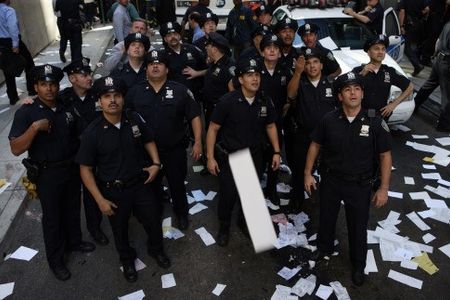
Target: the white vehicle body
pixel 353 55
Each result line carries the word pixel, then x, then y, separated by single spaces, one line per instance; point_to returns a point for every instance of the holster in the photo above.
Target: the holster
pixel 33 170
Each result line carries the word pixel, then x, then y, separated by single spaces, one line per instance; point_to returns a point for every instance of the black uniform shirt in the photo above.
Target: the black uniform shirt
pixel 377 86
pixel 376 15
pixel 61 143
pixel 287 60
pixel 349 148
pixel 87 108
pixel 70 9
pixel 216 79
pixel 330 65
pixel 413 8
pixel 189 56
pixel 314 102
pixel 115 153
pixel 275 86
pixel 165 111
pixel 129 75
pixel 250 53
pixel 201 43
pixel 242 124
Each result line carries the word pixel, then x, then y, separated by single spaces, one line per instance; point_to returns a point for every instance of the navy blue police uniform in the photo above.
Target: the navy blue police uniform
pixel 288 58
pixel 71 25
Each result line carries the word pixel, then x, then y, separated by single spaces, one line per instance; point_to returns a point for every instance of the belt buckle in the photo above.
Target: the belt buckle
pixel 118 183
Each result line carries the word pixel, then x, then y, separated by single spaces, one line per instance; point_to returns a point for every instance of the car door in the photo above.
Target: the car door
pixel 391 28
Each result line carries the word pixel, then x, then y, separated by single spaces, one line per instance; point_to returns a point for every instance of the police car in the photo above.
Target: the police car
pixel 345 36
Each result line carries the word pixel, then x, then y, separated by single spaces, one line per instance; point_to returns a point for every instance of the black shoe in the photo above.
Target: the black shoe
pixel 222 239
pixel 161 259
pixel 319 255
pixel 417 70
pixel 62 56
pixel 441 128
pixel 183 223
pixel 358 277
pixel 129 272
pixel 99 237
pixel 83 247
pixel 61 272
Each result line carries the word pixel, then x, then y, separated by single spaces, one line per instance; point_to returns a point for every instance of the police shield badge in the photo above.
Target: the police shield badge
pixel 364 130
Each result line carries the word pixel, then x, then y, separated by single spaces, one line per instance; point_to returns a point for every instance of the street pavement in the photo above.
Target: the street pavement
pixel 198 268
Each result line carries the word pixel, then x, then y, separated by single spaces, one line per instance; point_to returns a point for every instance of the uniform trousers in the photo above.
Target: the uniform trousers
pixel 72 31
pixel 91 211
pixel 59 193
pixel 272 176
pixel 356 199
pixel 140 200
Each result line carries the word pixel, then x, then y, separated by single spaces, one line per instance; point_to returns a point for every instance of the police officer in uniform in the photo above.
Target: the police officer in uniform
pixel 274 80
pixel 133 72
pixel 115 167
pixel 263 15
pixel 378 79
pixel 372 15
pixel 242 118
pixel 348 139
pixel 285 29
pixel 254 52
pixel 71 25
pixel 83 98
pixel 49 131
pixel 167 107
pixel 218 77
pixel 312 97
pixel 209 25
pixel 308 33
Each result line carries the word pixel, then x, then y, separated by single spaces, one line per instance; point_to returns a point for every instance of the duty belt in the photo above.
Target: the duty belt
pixel 362 178
pixel 55 164
pixel 121 184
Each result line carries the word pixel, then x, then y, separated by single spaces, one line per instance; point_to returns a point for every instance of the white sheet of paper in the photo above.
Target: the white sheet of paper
pixel 271 205
pixel 313 237
pixel 6 289
pixel 219 289
pixel 444 141
pixel 138 264
pixel 444 182
pixel 328 43
pixel 284 202
pixel 24 253
pixel 253 204
pixel 402 128
pixel 433 176
pixel 198 168
pixel 168 281
pixel 283 293
pixel 442 160
pixel 403 254
pixel 405 279
pixel 339 290
pixel 198 195
pixel 395 195
pixel 197 208
pixel 371 238
pixel 418 221
pixel 428 238
pixel 435 203
pixel 305 286
pixel 206 237
pixel 409 180
pixel 283 188
pixel 324 291
pixel 190 199
pixel 371 264
pixel 138 295
pixel 446 249
pixel 409 264
pixel 288 273
pixel 440 190
pixel 427 213
pixel 419 136
pixel 429 167
pixel 210 196
pixel 419 195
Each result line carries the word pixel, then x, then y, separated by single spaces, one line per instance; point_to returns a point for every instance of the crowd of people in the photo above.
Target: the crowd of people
pixel 119 136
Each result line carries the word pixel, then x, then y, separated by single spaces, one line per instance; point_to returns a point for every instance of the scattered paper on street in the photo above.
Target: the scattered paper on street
pixel 405 279
pixel 198 168
pixel 138 264
pixel 6 289
pixel 428 238
pixel 324 291
pixel 425 263
pixel 206 237
pixel 197 208
pixel 138 295
pixel 446 249
pixel 409 264
pixel 409 180
pixel 288 273
pixel 198 195
pixel 339 290
pixel 305 286
pixel 418 221
pixel 168 281
pixel 24 253
pixel 371 265
pixel 219 289
pixel 210 196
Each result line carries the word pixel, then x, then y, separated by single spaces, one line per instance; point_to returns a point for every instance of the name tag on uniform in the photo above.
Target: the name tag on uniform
pixel 242 17
pixel 364 130
pixel 263 112
pixel 387 77
pixel 169 94
pixel 97 106
pixel 328 92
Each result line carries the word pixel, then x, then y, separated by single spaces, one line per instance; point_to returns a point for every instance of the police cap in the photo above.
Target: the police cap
pixel 79 66
pixel 262 9
pixel 108 84
pixel 47 73
pixel 311 52
pixel 169 27
pixel 377 39
pixel 286 23
pixel 219 41
pixel 137 37
pixel 156 56
pixel 247 66
pixel 210 17
pixel 269 39
pixel 261 30
pixel 346 80
pixel 308 28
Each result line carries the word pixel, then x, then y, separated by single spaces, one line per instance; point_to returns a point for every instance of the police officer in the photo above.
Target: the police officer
pixel 372 15
pixel 197 6
pixel 133 72
pixel 83 98
pixel 168 106
pixel 285 29
pixel 209 25
pixel 72 26
pixel 254 52
pixel 312 97
pixel 308 33
pixel 378 79
pixel 49 132
pixel 274 80
pixel 186 63
pixel 218 77
pixel 348 139
pixel 114 166
pixel 242 118
pixel 263 15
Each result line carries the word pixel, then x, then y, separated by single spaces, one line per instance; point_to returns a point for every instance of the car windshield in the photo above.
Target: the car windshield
pixel 345 32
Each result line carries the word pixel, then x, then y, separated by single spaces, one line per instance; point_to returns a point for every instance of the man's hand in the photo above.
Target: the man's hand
pixel 300 64
pixel 191 72
pixel 349 11
pixel 27 101
pixel 380 198
pixel 15 50
pixel 367 68
pixel 197 151
pixel 107 207
pixel 388 109
pixel 309 182
pixel 152 172
pixel 41 125
pixel 213 167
